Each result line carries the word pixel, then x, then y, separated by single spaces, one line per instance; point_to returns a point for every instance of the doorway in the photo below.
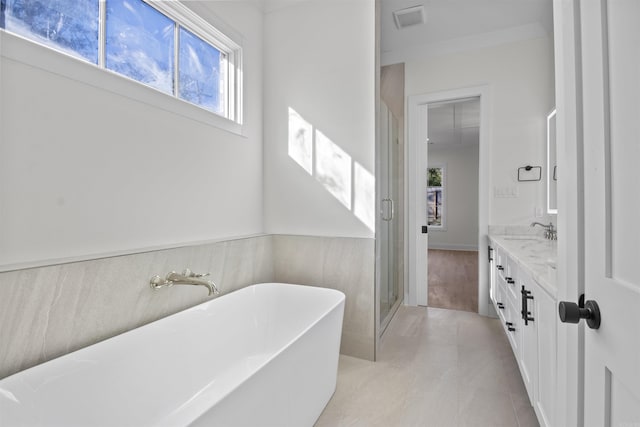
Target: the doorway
pixel 418 206
pixel 452 204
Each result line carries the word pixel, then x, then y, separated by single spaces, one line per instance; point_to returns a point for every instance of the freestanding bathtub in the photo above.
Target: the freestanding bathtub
pixel 265 355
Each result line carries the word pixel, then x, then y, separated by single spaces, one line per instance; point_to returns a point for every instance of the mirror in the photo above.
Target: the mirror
pixel 552 167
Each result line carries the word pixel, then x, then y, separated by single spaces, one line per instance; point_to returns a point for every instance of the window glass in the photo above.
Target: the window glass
pixel 435 195
pixel 140 43
pixel 200 72
pixel 67 26
pixel 143 40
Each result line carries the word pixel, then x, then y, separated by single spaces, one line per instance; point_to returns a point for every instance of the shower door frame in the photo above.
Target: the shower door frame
pixel 385 190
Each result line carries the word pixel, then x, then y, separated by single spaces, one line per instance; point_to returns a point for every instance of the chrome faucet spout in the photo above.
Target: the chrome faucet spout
pixel 186 278
pixel 550 232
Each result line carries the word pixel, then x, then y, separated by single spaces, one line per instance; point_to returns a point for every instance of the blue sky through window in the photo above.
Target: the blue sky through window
pixel 140 43
pixel 68 26
pixel 199 72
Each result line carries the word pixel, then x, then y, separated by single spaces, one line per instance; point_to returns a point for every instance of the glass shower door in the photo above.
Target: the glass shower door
pixel 391 244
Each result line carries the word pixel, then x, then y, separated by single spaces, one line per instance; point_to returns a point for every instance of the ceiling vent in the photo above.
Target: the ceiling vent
pixel 408 17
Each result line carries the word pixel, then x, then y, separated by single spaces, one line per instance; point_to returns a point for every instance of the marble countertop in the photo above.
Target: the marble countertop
pixel 533 253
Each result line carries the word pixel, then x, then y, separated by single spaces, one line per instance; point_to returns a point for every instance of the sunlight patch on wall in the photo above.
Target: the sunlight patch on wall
pixel 301 141
pixel 345 179
pixel 333 169
pixel 364 184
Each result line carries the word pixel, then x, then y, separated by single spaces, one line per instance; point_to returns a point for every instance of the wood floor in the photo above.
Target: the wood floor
pixel 453 280
pixel 435 368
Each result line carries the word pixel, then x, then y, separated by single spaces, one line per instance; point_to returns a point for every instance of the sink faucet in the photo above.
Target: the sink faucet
pixel 187 277
pixel 551 233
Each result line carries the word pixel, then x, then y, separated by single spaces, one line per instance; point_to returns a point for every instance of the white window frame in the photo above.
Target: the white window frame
pixel 192 22
pixel 32 53
pixel 443 223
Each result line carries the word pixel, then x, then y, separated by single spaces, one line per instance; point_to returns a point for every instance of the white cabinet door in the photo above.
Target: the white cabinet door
pixel 492 274
pixel 545 315
pixel 511 278
pixel 529 348
pixel 501 303
pixel 512 323
pixel 500 290
pixel 611 101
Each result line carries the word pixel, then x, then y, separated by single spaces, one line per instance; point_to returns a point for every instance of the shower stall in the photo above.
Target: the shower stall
pixel 391 214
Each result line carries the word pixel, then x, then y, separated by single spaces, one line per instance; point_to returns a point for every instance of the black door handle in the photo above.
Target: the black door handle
pixel 570 312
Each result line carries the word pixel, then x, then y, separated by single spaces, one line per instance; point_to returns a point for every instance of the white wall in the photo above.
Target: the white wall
pixel 461 197
pixel 320 63
pixel 87 171
pixel 520 76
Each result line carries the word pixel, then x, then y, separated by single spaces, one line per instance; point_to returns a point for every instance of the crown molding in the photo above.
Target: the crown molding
pixel 464 44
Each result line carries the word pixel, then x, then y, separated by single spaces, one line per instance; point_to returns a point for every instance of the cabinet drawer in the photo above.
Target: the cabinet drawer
pixel 513 328
pixel 511 279
pixel 499 261
pixel 501 299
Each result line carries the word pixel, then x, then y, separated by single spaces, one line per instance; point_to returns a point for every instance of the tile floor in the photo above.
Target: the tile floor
pixel 453 279
pixel 435 368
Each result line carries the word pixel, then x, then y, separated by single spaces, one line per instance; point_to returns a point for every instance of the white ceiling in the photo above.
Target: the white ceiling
pixel 451 25
pixel 268 6
pixel 449 21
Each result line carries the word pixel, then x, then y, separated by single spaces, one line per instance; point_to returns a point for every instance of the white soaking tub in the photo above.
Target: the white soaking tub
pixel 266 355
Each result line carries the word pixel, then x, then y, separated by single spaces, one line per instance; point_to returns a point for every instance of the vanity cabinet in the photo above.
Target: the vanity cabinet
pixel 504 279
pixel 527 311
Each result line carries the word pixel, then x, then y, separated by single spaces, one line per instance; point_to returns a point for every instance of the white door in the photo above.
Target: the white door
pixel 417 201
pixel 611 99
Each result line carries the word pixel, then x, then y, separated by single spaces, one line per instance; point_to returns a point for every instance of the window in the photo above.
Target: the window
pixel 68 26
pixel 160 44
pixel 200 72
pixel 140 43
pixel 435 197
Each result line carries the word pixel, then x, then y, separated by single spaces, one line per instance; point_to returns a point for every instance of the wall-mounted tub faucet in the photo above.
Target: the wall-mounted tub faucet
pixel 187 277
pixel 551 233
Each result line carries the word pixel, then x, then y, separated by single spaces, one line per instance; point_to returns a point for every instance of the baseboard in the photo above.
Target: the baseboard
pixel 447 247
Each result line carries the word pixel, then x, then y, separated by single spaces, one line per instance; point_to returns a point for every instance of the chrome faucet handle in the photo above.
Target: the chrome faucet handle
pixel 158 282
pixel 188 273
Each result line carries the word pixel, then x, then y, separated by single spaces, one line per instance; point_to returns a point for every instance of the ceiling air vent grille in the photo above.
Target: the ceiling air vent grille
pixel 408 17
